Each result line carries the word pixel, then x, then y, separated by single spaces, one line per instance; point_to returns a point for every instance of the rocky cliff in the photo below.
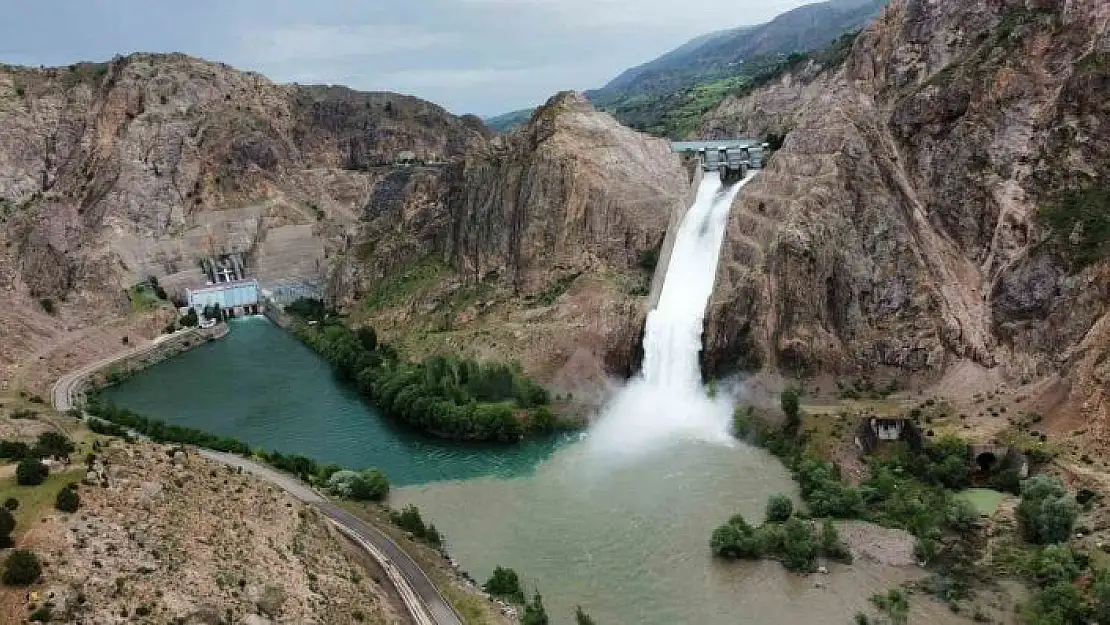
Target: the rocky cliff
pixel 113 172
pixel 541 249
pixel 936 199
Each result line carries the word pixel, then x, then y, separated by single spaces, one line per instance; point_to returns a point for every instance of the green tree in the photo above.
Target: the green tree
pixel 505 584
pixel 11 503
pixel 1059 604
pixel 534 612
pixel 831 546
pixel 53 445
pixel 21 568
pixel 1055 564
pixel 67 500
pixel 581 618
pixel 371 485
pixel 779 509
pixel 799 549
pixel 14 450
pixel 31 472
pixel 1047 513
pixel 368 338
pixel 190 319
pixel 790 401
pixel 7 525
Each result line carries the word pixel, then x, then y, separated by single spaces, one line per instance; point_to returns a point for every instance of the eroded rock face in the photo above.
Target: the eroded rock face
pixel 113 172
pixel 544 232
pixel 896 231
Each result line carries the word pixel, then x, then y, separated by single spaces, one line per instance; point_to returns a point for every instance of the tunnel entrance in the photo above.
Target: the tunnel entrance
pixel 986 462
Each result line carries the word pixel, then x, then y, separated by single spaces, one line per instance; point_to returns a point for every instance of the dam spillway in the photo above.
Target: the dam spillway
pixel 667 402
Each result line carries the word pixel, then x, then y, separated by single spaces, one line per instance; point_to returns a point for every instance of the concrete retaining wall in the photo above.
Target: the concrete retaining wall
pixel 127 363
pixel 677 214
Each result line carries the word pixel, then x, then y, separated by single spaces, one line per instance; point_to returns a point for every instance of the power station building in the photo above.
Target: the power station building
pixel 236 297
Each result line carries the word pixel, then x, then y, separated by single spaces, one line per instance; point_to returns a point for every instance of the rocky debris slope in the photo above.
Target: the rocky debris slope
pixel 170 537
pixel 901 228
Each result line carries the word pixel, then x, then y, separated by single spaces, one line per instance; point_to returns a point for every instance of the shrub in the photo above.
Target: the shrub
pixel 14 450
pixel 779 509
pixel 48 305
pixel 534 612
pixel 790 401
pixel 1046 513
pixel 11 503
pixel 43 614
pixel 67 500
pixel 372 485
pixel 799 549
pixel 505 584
pixel 831 546
pixel 7 524
pixel 31 472
pixel 1055 564
pixel 409 520
pixel 53 445
pixel 21 568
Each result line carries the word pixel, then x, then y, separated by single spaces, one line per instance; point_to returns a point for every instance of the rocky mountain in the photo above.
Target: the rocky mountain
pixel 661 94
pixel 110 173
pixel 113 172
pixel 937 200
pixel 540 249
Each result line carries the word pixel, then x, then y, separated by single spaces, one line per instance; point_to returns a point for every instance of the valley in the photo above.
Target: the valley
pixel 863 379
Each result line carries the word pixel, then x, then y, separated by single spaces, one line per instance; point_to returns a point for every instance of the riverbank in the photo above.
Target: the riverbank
pixel 71 387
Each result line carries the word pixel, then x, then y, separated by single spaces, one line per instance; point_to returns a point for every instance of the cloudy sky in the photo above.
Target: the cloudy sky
pixel 472 56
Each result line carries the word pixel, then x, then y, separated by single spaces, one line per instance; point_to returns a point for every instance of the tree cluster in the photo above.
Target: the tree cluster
pixel 161 432
pixel 783 536
pixel 369 485
pixel 454 398
pixel 1047 512
pixel 504 584
pixel 49 445
pixel 21 568
pixel 409 520
pixel 112 420
pixel 68 500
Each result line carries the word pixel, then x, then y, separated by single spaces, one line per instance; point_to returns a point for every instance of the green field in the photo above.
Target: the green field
pixel 985 500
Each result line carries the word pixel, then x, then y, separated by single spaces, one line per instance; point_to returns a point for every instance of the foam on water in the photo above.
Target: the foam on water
pixel 667 401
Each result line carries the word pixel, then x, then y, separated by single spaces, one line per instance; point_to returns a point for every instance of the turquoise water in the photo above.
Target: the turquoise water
pixel 262 386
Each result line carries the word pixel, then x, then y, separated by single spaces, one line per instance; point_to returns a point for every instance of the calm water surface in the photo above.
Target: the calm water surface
pixel 628 541
pixel 262 386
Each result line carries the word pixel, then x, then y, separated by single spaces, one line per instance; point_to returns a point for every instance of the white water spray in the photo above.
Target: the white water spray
pixel 667 401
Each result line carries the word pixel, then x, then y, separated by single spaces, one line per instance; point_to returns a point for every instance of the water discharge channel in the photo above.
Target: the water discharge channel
pixel 617 521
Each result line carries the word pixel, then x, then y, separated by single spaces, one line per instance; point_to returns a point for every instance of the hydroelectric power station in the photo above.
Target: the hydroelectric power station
pixel 731 158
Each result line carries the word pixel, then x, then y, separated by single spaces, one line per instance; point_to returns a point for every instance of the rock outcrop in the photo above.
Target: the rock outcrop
pixel 113 172
pixel 541 249
pixel 897 229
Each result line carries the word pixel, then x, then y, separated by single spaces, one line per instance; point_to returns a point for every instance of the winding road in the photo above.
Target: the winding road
pixel 423 600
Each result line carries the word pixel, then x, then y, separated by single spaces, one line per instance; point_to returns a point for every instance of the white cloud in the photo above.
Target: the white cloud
pixel 321 43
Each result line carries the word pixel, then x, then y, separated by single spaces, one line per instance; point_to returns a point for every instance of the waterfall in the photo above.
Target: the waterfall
pixel 667 401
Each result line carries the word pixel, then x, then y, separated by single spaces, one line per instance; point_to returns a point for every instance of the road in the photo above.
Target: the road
pixel 67 387
pixel 424 601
